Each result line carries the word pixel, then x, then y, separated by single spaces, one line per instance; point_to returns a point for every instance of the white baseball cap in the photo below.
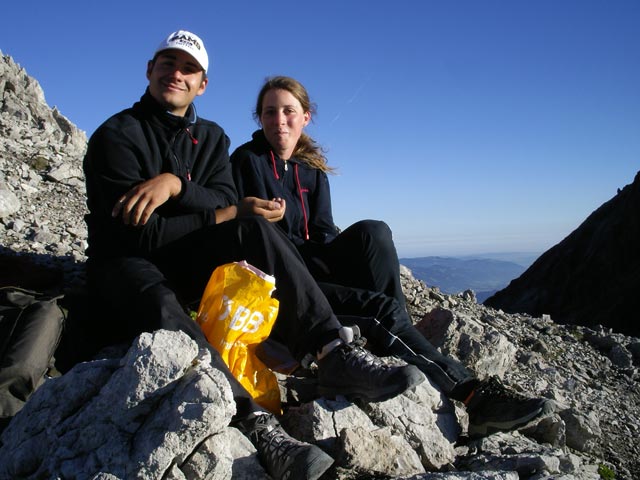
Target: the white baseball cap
pixel 187 42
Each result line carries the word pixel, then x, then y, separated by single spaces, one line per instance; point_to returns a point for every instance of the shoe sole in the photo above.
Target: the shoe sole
pixel 413 378
pixel 488 428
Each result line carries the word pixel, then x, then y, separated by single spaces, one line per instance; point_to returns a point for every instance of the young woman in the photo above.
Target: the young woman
pixel 284 164
pixel 281 174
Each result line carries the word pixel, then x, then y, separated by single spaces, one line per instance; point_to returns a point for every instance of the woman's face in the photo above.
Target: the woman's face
pixel 283 120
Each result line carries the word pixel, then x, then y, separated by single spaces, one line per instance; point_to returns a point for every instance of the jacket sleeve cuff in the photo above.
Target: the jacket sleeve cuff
pixel 183 187
pixel 209 217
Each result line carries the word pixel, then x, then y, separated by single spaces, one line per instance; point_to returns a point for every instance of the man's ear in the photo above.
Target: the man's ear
pixel 149 68
pixel 203 85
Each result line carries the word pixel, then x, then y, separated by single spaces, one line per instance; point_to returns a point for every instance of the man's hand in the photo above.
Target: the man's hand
pixel 137 205
pixel 226 213
pixel 272 210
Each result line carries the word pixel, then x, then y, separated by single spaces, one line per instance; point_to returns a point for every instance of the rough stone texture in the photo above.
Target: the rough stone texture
pixel 590 372
pixel 155 412
pixel 42 192
pixel 589 278
pixel 9 203
pixel 468 340
pixel 429 427
pixel 360 450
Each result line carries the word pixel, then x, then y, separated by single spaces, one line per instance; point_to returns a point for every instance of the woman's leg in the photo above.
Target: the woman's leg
pixel 387 325
pixel 305 322
pixel 362 256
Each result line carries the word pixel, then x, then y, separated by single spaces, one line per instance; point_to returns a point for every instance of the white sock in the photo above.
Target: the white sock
pixel 346 334
pixel 328 347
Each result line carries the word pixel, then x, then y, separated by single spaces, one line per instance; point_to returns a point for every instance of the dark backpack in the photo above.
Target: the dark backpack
pixel 30 329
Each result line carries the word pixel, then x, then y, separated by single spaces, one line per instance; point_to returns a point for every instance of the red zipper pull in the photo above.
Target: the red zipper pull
pixel 194 140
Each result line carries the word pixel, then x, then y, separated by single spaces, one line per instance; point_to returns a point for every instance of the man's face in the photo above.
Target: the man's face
pixel 175 79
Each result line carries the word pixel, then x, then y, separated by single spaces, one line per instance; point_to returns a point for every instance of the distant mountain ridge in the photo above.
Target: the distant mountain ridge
pixel 482 274
pixel 592 276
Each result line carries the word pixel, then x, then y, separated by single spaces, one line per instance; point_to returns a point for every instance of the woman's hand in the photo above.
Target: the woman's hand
pixel 272 210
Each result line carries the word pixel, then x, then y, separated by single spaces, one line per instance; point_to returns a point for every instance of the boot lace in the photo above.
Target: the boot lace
pixel 495 388
pixel 274 445
pixel 360 359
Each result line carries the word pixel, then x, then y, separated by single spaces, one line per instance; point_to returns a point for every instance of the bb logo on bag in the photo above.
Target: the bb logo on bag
pixel 242 318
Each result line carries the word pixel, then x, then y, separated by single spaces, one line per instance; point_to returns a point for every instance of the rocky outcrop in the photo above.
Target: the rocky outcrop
pixel 42 200
pixel 157 409
pixel 161 411
pixel 590 278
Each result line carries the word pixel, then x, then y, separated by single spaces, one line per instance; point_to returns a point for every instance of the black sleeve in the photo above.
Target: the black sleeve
pixel 248 176
pixel 114 164
pixel 321 226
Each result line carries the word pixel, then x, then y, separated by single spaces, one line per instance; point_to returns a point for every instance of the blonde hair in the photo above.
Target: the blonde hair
pixel 307 149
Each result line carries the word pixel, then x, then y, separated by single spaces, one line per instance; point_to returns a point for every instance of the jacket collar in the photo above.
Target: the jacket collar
pixel 260 146
pixel 260 142
pixel 151 105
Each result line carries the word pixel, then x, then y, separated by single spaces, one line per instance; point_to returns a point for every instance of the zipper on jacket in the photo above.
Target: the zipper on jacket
pixel 304 210
pixel 298 187
pixel 180 163
pixel 194 140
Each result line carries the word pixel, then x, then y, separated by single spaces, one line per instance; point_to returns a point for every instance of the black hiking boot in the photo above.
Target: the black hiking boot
pixel 282 456
pixel 493 407
pixel 351 370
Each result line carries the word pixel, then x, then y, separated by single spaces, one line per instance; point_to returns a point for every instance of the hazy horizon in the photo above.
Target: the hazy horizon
pixel 521 258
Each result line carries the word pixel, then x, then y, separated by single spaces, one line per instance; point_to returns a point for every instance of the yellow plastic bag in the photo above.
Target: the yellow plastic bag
pixel 236 314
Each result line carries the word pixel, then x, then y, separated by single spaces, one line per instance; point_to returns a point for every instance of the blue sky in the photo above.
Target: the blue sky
pixel 468 126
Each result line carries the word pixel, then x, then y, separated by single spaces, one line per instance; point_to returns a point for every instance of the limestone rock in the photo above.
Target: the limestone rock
pixel 360 451
pixel 474 343
pixel 155 412
pixel 430 429
pixel 9 203
pixel 41 173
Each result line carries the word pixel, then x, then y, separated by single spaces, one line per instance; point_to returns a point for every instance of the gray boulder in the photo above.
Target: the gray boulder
pixel 161 411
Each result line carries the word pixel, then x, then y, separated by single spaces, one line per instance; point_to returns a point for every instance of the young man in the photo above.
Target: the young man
pixel 162 216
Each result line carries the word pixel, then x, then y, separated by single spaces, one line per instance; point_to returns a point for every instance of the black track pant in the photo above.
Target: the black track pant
pixel 388 327
pixel 149 293
pixel 362 256
pixel 359 272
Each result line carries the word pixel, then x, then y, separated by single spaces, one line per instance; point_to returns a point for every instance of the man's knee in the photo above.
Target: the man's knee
pixel 123 278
